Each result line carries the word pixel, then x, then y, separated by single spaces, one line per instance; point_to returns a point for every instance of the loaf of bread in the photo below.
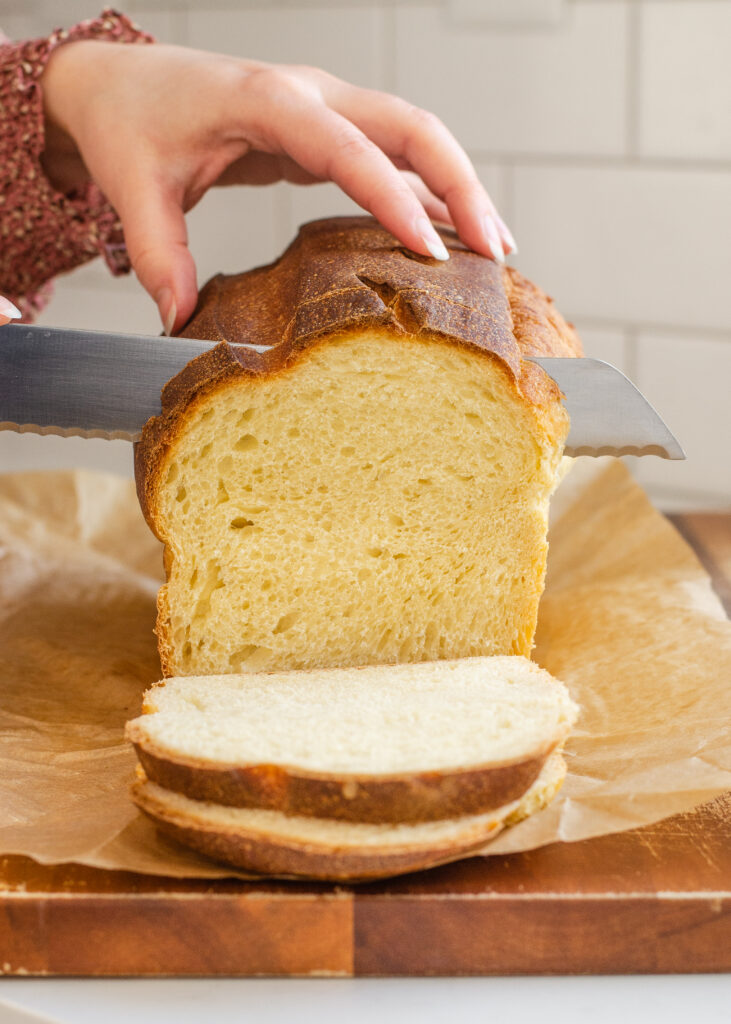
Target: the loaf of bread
pixel 272 843
pixel 371 488
pixel 378 744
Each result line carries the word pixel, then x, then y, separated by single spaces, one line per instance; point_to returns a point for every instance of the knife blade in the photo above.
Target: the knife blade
pixel 95 384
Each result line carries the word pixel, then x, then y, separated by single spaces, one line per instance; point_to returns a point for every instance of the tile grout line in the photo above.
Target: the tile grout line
pixel 650 326
pixel 632 78
pixel 228 6
pixel 604 161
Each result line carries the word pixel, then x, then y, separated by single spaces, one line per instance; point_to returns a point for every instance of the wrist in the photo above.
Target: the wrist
pixel 66 83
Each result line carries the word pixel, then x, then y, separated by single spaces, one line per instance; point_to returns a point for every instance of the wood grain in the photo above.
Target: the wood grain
pixel 656 900
pixel 653 900
pixel 709 534
pixel 71 920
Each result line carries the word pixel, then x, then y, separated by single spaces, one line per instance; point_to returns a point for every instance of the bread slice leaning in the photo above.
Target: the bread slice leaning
pixel 272 843
pixel 377 744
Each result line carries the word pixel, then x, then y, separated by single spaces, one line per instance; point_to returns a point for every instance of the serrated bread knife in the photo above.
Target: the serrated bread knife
pixel 92 384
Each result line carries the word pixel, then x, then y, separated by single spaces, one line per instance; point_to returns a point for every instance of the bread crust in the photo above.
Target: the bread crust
pixel 376 799
pixel 341 276
pixel 264 857
pixel 255 851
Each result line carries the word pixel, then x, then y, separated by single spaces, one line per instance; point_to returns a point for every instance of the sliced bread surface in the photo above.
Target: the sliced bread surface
pixel 272 843
pixel 401 743
pixel 374 487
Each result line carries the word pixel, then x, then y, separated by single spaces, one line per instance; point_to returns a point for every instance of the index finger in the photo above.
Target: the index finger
pixel 409 133
pixel 330 147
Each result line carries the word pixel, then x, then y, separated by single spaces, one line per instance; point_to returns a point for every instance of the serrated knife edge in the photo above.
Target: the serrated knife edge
pixel 108 385
pixel 50 431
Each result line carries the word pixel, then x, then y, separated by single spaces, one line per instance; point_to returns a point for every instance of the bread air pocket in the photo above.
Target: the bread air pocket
pixel 372 488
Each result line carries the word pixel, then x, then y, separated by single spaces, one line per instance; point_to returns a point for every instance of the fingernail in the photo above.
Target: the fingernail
pixel 431 240
pixel 168 309
pixel 493 239
pixel 8 309
pixel 506 233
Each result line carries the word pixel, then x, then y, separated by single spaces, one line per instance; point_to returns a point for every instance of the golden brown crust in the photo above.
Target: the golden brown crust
pixel 345 275
pixel 288 854
pixel 265 853
pixel 252 851
pixel 401 798
pixel 263 857
pixel 539 328
pixel 162 626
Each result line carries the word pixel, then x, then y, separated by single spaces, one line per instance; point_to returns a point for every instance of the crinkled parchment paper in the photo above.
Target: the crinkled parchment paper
pixel 628 621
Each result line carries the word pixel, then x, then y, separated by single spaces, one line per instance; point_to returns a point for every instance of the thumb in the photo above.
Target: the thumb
pixel 157 243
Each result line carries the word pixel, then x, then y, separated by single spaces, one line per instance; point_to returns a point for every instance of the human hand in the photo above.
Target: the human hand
pixel 8 311
pixel 156 126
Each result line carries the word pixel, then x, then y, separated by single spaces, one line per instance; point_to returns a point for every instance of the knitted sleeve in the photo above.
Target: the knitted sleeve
pixel 42 231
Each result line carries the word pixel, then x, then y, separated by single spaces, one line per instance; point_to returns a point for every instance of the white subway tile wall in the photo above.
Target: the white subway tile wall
pixel 540 90
pixel 602 129
pixel 609 343
pixel 234 228
pixel 629 243
pixel 510 13
pixel 685 79
pixel 687 378
pixel 346 41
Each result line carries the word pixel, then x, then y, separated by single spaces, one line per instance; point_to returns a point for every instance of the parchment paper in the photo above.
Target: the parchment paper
pixel 629 621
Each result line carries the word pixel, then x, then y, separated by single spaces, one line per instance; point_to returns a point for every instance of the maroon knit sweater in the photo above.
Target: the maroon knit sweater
pixel 42 231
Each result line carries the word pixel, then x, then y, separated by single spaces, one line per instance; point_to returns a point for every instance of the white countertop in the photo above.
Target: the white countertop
pixel 578 1000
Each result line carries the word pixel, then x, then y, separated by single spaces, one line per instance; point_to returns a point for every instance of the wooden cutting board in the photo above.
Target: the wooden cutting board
pixel 653 900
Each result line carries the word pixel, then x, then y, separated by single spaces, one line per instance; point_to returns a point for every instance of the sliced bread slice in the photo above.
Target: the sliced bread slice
pixel 272 843
pixel 400 743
